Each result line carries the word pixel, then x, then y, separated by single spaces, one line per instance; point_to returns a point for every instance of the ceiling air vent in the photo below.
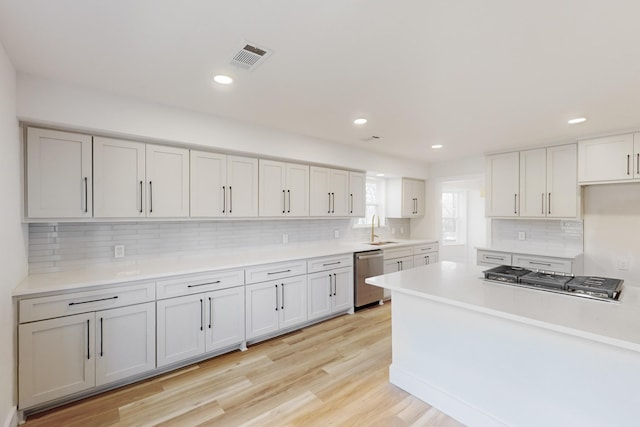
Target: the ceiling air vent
pixel 250 56
pixel 371 138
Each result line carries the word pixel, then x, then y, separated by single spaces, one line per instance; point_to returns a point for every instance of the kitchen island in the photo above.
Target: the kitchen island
pixel 491 354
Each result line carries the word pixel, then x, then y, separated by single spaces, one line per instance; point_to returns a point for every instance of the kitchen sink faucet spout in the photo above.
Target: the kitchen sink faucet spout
pixel 373 236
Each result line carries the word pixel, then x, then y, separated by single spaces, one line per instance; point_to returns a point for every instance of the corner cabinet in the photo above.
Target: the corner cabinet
pixel 223 185
pixel 611 158
pixel 283 189
pixel 405 198
pixel 59 174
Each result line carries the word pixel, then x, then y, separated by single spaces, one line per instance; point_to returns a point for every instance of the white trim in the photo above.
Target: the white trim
pixel 451 405
pixel 12 417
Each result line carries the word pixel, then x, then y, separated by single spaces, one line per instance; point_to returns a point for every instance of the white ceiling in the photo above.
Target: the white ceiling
pixel 475 76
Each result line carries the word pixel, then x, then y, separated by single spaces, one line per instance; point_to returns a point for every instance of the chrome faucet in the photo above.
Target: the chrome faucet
pixel 373 236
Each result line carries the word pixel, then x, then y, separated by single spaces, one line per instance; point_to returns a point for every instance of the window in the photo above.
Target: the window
pixel 453 217
pixel 374 200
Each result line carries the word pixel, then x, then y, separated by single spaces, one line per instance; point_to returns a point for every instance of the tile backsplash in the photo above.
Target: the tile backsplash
pixel 539 234
pixel 67 246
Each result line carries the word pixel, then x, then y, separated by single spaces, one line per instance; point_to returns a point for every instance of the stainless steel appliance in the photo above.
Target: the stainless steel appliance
pixel 600 288
pixel 367 264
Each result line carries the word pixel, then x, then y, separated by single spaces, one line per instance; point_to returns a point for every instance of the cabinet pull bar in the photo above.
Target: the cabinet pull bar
pixel 141 196
pixel 332 263
pixel 93 300
pixel 224 199
pixel 515 203
pixel 88 350
pixel 86 195
pixel 282 301
pixel 284 202
pixel 494 257
pixel 549 204
pixel 333 198
pixel 210 312
pixel 628 158
pixel 546 264
pixel 330 285
pixel 351 210
pixel 335 283
pixel 101 339
pixel 277 297
pixel 329 194
pixel 203 284
pixel 279 272
pixel 230 199
pixel 150 197
pixel 638 163
pixel 201 314
pixel 289 194
pixel 427 259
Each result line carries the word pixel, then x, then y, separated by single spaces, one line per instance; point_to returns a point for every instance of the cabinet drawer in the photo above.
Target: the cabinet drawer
pixel 419 250
pixel 196 283
pixel 261 273
pixel 542 263
pixel 81 302
pixel 493 258
pixel 398 252
pixel 329 262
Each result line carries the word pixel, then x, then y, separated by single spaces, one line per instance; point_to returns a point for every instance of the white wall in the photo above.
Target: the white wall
pixel 48 102
pixel 612 230
pixel 13 261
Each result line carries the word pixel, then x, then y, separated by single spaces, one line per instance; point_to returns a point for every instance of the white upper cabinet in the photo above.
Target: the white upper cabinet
pixel 223 185
pixel 405 198
pixel 140 180
pixel 59 175
pixel 284 189
pixel 534 183
pixel 502 183
pixel 357 194
pixel 328 192
pixel 611 158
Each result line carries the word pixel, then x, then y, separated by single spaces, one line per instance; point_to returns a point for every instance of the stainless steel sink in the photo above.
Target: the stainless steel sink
pixel 382 243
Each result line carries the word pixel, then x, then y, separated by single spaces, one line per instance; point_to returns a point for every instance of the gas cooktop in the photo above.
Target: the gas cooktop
pixel 599 288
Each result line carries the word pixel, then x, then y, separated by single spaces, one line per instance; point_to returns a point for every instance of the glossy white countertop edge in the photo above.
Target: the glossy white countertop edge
pixel 552 253
pixel 166 266
pixel 462 285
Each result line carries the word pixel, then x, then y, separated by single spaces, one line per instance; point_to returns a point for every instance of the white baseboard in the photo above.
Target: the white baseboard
pixel 454 407
pixel 12 418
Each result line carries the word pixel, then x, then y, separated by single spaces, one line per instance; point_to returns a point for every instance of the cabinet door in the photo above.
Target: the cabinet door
pixel 59 175
pixel 342 298
pixel 339 192
pixel 391 266
pixel 262 309
pixel 425 259
pixel 605 159
pixel 562 182
pixel 168 181
pixel 125 342
pixel 272 192
pixel 225 318
pixel 208 184
pixel 357 194
pixel 297 189
pixel 406 263
pixel 502 181
pixel 533 183
pixel 319 191
pixel 636 154
pixel 55 358
pixel 419 195
pixel 320 290
pixel 180 328
pixel 293 301
pixel 119 175
pixel 242 195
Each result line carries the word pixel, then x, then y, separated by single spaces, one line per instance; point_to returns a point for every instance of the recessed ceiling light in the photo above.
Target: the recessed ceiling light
pixel 222 79
pixel 379 174
pixel 436 146
pixel 577 120
pixel 360 121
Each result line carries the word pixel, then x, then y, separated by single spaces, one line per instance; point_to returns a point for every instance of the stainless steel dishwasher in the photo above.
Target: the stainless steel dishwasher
pixel 368 264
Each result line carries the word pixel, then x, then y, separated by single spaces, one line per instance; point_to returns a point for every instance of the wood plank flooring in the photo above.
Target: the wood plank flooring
pixel 333 373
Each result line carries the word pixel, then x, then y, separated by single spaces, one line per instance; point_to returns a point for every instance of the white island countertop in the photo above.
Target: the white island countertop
pixel 173 265
pixel 462 285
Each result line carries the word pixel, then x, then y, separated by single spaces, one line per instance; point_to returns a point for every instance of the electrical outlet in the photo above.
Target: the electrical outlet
pixel 521 235
pixel 623 264
pixel 336 234
pixel 118 251
pixel 285 238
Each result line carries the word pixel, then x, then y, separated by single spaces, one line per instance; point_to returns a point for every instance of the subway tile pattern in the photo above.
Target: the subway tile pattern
pixel 68 246
pixel 539 234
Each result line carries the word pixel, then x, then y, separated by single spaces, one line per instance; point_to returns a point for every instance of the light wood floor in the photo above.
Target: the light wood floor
pixel 334 373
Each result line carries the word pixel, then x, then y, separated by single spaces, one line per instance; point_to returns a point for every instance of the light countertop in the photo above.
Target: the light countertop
pixel 524 250
pixel 165 266
pixel 462 285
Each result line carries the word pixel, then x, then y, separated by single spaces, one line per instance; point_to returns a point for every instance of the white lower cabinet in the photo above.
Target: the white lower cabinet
pixel 275 305
pixel 398 264
pixel 65 355
pixel 425 259
pixel 192 325
pixel 330 292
